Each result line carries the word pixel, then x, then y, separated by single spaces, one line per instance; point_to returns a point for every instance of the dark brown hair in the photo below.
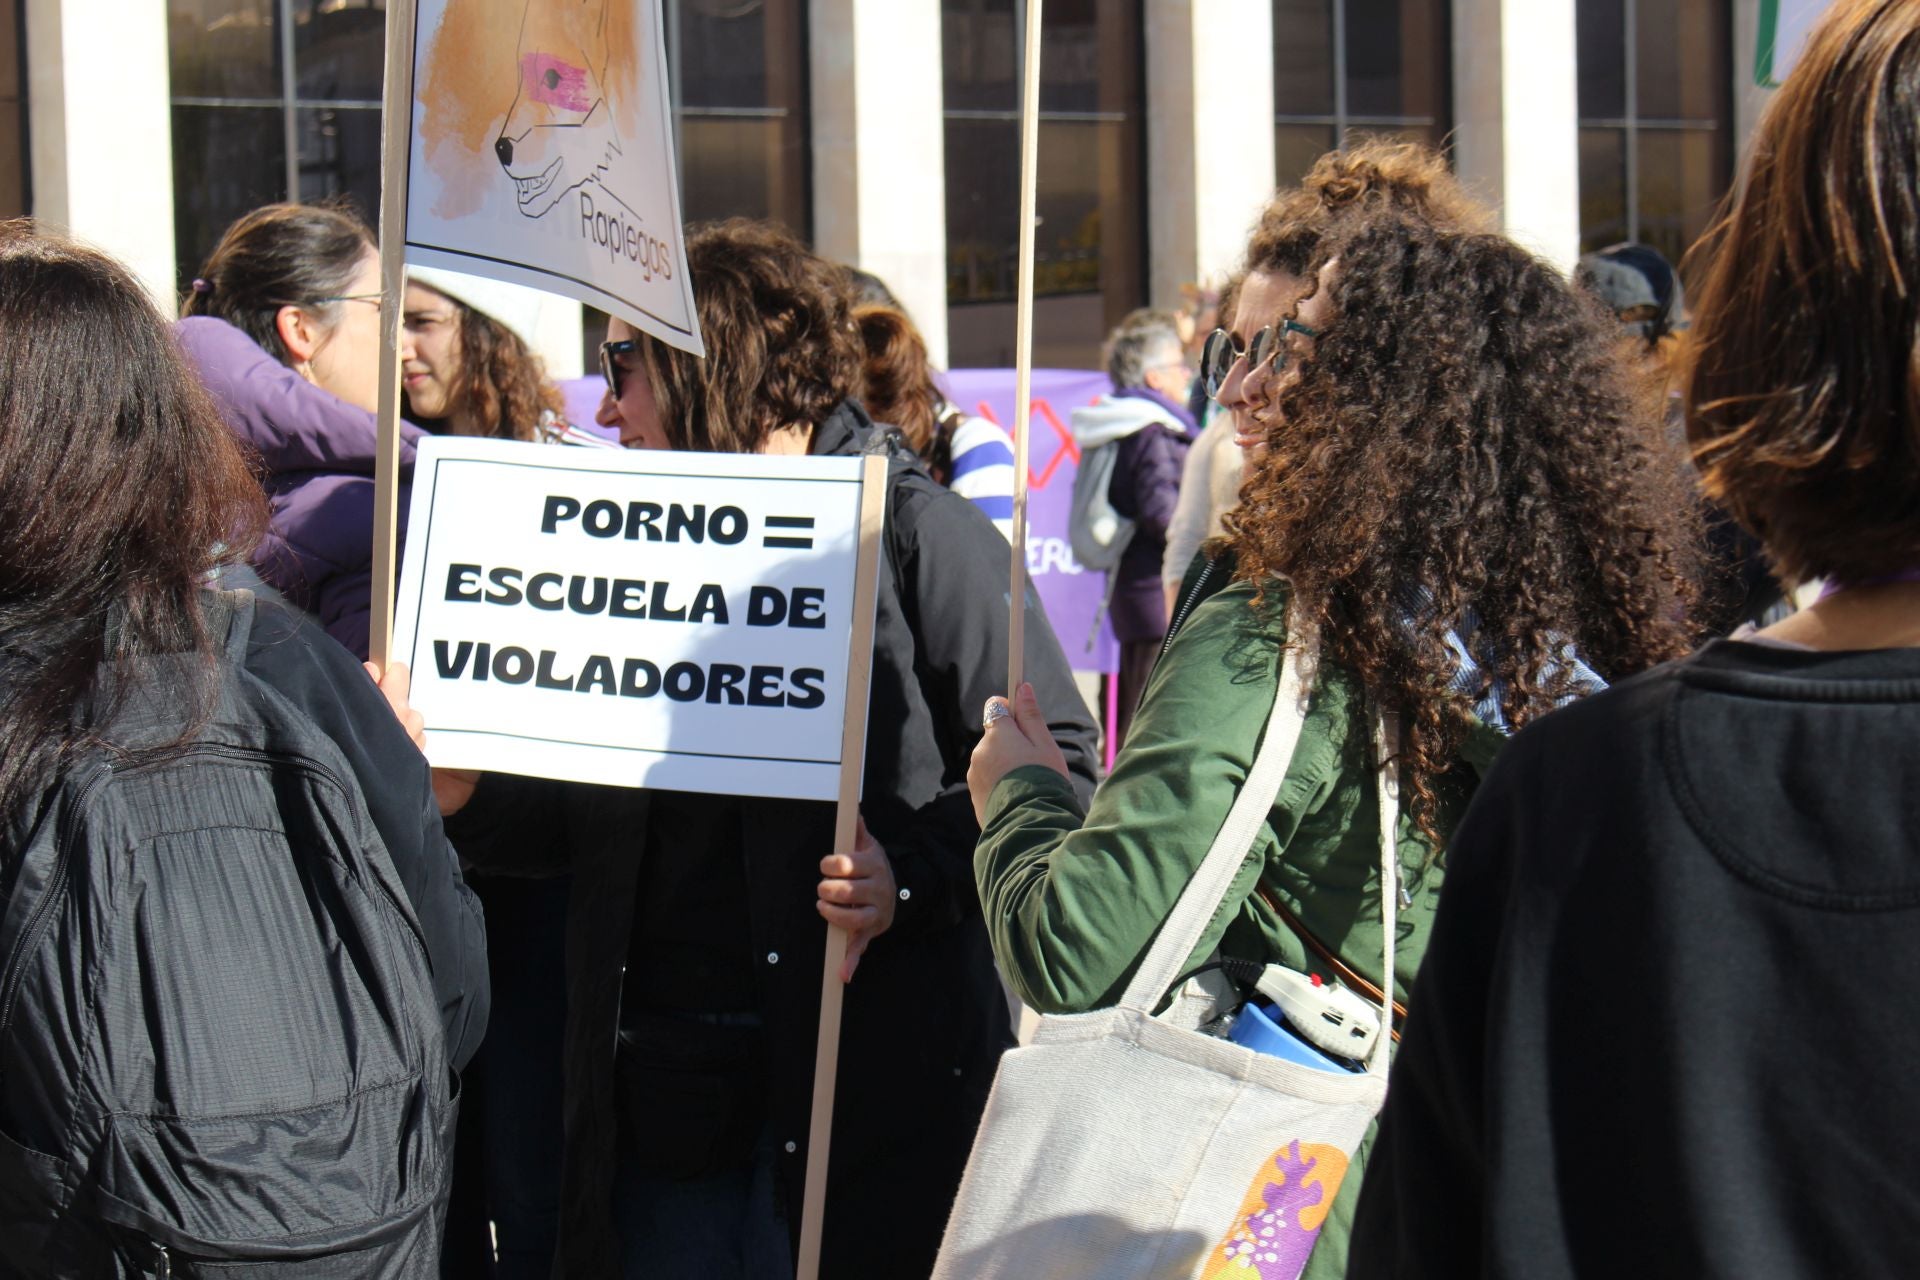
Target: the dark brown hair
pixel 502 385
pixel 1804 396
pixel 782 348
pixel 897 384
pixel 1461 455
pixel 120 490
pixel 279 255
pixel 1368 176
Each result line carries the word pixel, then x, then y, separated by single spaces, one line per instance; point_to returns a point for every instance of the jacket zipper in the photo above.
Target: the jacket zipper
pixel 55 892
pixel 1186 605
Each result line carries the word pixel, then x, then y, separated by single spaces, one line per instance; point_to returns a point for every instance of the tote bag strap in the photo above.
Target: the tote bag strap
pixel 1386 743
pixel 1202 897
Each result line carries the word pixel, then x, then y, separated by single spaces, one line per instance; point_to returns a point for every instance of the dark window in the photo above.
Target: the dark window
pixel 14 193
pixel 739 72
pixel 1344 69
pixel 1656 151
pixel 272 97
pixel 1090 245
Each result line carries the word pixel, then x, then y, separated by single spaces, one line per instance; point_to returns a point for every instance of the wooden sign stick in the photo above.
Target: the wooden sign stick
pixel 396 142
pixel 1023 347
pixel 853 752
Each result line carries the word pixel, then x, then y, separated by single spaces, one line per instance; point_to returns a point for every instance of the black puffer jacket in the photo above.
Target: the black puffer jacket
pixel 925 1021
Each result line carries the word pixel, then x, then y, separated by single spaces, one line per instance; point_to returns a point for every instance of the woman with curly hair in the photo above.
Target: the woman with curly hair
pixel 696 939
pixel 1661 1028
pixel 1451 515
pixel 466 368
pixel 1373 174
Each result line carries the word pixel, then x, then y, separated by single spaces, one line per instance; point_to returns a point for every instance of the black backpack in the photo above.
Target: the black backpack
pixel 220 1051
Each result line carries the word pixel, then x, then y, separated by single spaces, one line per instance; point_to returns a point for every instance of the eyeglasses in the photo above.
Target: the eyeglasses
pixel 1223 350
pixel 614 372
pixel 374 299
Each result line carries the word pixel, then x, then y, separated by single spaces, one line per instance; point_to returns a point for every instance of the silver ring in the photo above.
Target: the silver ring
pixel 995 711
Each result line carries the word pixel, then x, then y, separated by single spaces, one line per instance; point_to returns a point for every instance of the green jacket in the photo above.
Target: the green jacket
pixel 1073 898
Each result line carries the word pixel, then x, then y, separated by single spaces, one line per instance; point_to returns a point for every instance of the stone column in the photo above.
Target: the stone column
pixel 1210 165
pixel 879 151
pixel 1516 116
pixel 1749 98
pixel 101 139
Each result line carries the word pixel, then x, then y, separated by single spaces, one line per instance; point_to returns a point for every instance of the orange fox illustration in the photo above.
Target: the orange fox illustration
pixel 560 131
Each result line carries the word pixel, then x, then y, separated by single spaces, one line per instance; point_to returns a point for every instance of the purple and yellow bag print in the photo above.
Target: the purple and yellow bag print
pixel 1280 1219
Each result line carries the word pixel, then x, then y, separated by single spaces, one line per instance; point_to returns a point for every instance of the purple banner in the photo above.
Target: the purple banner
pixel 1070 593
pixel 582 396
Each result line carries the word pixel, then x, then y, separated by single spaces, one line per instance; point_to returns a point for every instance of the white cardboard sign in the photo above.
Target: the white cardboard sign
pixel 645 618
pixel 542 155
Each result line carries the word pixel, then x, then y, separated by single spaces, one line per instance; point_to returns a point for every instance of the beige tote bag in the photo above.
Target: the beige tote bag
pixel 1117 1146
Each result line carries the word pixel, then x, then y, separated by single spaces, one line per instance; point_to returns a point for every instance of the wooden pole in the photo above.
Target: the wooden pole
pixel 396 141
pixel 853 751
pixel 1023 347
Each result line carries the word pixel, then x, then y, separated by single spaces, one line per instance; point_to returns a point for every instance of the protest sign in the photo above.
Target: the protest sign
pixel 542 154
pixel 674 620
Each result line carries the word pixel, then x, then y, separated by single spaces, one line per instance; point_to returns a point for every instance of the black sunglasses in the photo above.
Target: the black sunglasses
pixel 1223 349
pixel 610 369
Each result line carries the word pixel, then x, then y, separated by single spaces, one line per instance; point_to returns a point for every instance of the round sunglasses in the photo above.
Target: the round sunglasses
pixel 1223 350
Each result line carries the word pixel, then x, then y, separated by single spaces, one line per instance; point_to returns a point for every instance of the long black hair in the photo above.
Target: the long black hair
pixel 120 491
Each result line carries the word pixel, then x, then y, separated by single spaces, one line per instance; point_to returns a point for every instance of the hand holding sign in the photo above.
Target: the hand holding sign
pixel 452 788
pixel 858 894
pixel 1015 736
pixel 396 682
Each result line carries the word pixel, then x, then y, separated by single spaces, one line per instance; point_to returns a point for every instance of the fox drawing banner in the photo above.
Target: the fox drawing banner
pixel 542 154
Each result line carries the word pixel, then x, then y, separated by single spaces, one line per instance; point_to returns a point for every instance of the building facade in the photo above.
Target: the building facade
pixel 887 131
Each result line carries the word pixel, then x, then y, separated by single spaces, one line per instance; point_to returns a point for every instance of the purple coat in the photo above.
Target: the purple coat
pixel 317 454
pixel 1146 488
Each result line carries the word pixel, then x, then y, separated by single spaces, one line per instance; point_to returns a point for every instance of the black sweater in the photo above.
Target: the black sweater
pixel 1664 1024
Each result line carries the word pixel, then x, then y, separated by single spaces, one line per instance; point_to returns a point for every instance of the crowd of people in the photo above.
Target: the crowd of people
pixel 278 998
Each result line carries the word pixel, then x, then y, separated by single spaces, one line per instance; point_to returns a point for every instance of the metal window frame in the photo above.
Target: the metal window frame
pixel 1138 121
pixel 680 113
pixel 290 103
pixel 1631 124
pixel 1343 118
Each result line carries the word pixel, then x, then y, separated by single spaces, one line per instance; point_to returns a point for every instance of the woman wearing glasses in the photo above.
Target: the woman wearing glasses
pixel 695 939
pixel 1451 504
pixel 283 325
